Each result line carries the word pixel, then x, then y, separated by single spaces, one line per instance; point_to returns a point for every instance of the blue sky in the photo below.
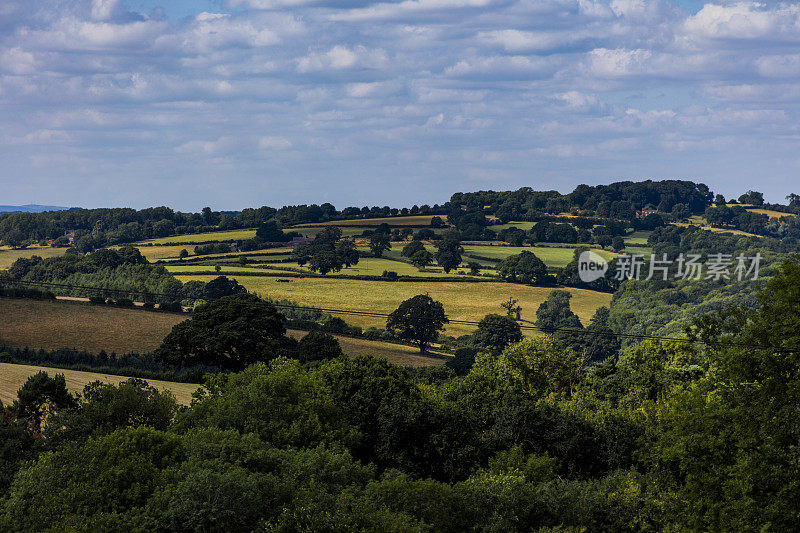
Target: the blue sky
pixel 236 103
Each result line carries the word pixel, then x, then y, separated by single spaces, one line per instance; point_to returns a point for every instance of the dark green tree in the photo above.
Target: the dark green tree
pixel 449 250
pixel 379 242
pixel 422 258
pixel 222 286
pixel 495 332
pixel 231 333
pixel 318 346
pixel 418 319
pixel 524 267
pixel 41 397
pixel 411 248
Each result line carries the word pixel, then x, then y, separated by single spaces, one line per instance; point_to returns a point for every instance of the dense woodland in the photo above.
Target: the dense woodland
pixel 615 205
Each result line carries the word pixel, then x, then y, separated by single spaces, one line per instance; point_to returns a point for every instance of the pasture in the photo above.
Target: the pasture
pixel 551 255
pixel 12 377
pixel 198 238
pixel 9 255
pixel 414 220
pixel 461 300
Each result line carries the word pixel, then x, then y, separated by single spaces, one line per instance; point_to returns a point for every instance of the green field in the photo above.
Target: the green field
pixel 461 300
pixel 416 220
pixel 552 256
pixel 198 238
pixel 8 256
pixel 638 237
pixel 526 226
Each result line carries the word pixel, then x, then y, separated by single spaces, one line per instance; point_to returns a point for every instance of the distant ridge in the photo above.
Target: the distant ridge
pixel 31 208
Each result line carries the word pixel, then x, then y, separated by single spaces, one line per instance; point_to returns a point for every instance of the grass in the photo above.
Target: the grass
pixel 552 256
pixel 415 220
pixel 638 237
pixel 772 214
pixel 521 225
pixel 197 238
pixel 60 324
pixel 463 301
pixel 397 354
pixel 8 256
pixel 12 377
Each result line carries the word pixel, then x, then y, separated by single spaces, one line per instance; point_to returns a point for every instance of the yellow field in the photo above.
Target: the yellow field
pixel 8 256
pixel 60 324
pixel 718 230
pixel 418 220
pixel 772 214
pixel 12 377
pixel 462 301
pixel 197 238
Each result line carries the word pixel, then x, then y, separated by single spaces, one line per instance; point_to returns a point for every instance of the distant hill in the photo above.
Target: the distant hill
pixel 30 208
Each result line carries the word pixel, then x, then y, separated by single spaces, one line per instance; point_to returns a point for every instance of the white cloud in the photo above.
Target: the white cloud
pixel 341 57
pixel 274 143
pixel 745 20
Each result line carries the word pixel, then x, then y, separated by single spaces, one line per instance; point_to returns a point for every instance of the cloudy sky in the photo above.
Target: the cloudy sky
pixel 237 103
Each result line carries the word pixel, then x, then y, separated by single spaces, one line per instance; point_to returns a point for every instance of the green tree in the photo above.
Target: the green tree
pixel 39 398
pixel 495 332
pixel 347 252
pixel 411 248
pixel 222 286
pixel 541 368
pixel 379 242
pixel 318 346
pixel 231 333
pixel 418 319
pixel 422 258
pixel 524 267
pixel 270 232
pixel 449 250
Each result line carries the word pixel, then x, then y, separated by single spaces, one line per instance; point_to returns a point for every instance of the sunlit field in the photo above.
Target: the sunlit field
pixel 462 301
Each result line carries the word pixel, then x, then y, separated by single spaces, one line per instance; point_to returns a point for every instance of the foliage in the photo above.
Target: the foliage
pixel 495 332
pixel 524 267
pixel 418 319
pixel 230 333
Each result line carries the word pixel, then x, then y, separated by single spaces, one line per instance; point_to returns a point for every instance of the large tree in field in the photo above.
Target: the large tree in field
pixel 379 242
pixel 449 250
pixel 231 333
pixel 418 319
pixel 524 267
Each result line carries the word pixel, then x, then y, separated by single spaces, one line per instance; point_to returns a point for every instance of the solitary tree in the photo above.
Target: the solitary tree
pixel 449 250
pixel 524 267
pixel 379 242
pixel 418 319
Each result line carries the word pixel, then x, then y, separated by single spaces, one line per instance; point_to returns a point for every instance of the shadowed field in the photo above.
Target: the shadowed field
pixel 51 325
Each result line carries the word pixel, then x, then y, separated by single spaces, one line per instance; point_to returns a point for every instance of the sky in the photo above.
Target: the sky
pixel 240 103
